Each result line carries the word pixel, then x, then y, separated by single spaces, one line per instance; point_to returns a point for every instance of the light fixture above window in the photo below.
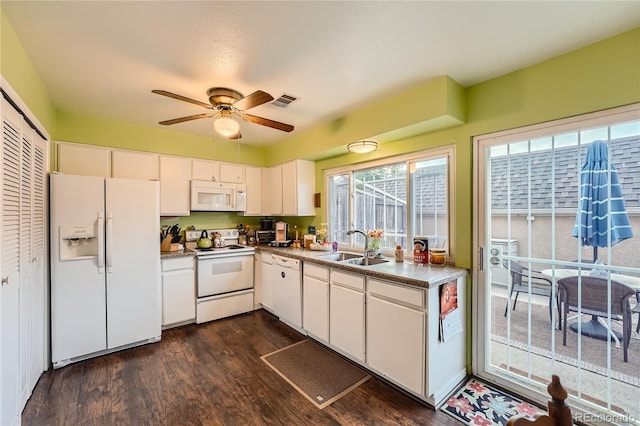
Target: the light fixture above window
pixel 227 127
pixel 362 147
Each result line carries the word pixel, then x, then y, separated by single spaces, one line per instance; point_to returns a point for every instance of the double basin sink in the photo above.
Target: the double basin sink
pixel 353 259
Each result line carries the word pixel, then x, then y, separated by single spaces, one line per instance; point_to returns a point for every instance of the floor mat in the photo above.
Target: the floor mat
pixel 317 373
pixel 478 403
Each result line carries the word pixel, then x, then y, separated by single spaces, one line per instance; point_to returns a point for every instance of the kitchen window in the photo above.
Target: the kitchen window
pixel 405 196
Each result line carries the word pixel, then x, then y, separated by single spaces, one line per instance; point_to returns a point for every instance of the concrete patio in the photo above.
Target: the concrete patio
pixel 589 374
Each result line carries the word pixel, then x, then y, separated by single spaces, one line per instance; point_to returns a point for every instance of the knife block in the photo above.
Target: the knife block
pixel 167 245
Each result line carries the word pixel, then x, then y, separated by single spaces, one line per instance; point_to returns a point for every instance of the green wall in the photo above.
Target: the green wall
pixel 17 69
pixel 117 134
pixel 596 77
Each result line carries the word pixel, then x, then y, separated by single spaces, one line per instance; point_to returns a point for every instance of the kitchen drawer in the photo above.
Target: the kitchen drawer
pixel 347 280
pixel 226 305
pixel 316 271
pixel 396 293
pixel 177 263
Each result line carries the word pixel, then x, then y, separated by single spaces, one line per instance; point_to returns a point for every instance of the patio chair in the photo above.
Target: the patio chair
pixel 517 272
pixel 593 301
pixel 636 310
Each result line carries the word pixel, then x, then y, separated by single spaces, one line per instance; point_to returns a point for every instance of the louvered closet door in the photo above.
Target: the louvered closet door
pixel 10 265
pixel 38 260
pixel 26 180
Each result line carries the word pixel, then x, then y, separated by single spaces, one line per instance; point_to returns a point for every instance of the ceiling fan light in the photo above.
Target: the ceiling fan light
pixel 362 147
pixel 227 127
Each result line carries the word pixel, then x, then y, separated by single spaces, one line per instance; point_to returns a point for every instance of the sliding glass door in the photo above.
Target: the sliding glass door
pixel 547 227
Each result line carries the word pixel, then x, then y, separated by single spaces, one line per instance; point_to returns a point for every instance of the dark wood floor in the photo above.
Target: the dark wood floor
pixel 208 374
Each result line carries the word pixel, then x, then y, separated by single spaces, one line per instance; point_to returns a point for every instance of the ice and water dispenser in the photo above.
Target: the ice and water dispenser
pixel 78 242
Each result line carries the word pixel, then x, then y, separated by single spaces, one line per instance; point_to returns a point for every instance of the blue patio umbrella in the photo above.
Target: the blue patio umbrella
pixel 602 218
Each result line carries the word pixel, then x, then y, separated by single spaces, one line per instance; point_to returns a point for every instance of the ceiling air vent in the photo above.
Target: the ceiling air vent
pixel 284 100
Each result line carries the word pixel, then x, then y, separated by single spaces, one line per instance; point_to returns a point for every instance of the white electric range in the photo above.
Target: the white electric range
pixel 224 277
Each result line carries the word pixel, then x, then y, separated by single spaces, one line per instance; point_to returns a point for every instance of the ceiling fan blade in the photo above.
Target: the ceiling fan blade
pixel 253 100
pixel 181 98
pixel 266 122
pixel 187 118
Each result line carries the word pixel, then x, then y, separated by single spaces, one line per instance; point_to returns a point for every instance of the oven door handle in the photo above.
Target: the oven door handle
pixel 207 256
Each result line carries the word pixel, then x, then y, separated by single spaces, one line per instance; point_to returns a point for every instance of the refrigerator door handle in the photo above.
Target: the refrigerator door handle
pixel 109 243
pixel 100 242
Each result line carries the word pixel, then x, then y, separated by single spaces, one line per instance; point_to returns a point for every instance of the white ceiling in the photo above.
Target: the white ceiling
pixel 102 59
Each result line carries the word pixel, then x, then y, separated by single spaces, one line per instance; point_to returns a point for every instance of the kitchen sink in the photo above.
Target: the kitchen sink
pixel 341 256
pixel 364 261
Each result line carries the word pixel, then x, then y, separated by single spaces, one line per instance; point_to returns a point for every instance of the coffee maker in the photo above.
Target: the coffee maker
pixel 282 231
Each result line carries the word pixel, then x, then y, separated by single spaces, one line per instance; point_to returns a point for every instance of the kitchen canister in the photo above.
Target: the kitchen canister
pixel 399 253
pixel 437 257
pixel 420 250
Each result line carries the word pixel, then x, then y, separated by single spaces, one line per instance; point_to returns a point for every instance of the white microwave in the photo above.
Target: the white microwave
pixel 217 196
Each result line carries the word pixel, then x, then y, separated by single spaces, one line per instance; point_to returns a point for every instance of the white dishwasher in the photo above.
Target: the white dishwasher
pixel 287 289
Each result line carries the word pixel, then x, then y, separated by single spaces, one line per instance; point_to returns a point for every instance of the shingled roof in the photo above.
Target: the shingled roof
pixel 624 154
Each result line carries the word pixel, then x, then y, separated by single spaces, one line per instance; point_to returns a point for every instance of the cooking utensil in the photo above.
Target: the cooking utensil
pixel 204 242
pixel 175 232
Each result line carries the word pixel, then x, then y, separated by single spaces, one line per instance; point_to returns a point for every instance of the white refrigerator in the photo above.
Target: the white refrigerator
pixel 105 265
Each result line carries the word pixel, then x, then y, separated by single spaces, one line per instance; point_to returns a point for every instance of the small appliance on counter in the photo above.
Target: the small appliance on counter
pixel 266 224
pixel 281 239
pixel 266 234
pixel 265 237
pixel 281 231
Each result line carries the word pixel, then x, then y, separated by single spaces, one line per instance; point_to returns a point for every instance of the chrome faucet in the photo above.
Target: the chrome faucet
pixel 367 250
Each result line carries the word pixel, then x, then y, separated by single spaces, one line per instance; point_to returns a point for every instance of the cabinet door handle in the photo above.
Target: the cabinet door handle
pixel 282 274
pixel 5 280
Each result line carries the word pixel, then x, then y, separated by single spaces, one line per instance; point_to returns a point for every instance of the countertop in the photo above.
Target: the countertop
pixel 407 272
pixel 178 253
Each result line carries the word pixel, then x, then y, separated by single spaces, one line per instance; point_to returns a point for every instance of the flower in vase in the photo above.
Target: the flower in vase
pixel 321 234
pixel 375 233
pixel 375 238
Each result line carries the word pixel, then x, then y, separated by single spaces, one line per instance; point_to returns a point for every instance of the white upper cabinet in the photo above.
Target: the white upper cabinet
pixel 175 191
pixel 84 160
pixel 232 173
pixel 298 187
pixel 274 206
pixel 135 165
pixel 266 190
pixel 283 190
pixel 253 176
pixel 205 170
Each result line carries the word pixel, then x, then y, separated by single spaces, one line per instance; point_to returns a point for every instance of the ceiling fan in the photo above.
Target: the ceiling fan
pixel 227 103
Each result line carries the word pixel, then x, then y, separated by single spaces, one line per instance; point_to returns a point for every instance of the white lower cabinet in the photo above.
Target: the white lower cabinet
pixel 396 334
pixel 315 301
pixel 347 313
pixel 178 291
pixel 266 282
